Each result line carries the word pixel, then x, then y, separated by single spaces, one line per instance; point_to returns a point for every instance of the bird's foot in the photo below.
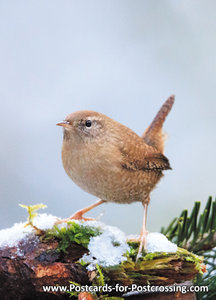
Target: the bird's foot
pixel 142 241
pixel 77 216
pixel 142 244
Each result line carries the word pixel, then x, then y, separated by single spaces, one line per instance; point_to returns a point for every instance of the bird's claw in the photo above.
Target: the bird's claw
pixel 76 216
pixel 143 243
pixel 79 216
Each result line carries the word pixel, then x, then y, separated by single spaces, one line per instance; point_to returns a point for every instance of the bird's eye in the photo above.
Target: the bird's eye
pixel 88 123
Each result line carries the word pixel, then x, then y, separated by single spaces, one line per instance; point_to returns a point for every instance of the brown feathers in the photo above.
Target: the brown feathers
pixel 153 135
pixel 109 160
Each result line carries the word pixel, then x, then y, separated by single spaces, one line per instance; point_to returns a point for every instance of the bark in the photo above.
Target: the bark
pixel 32 264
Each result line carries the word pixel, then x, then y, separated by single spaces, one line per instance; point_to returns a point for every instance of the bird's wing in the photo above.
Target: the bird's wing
pixel 153 135
pixel 137 155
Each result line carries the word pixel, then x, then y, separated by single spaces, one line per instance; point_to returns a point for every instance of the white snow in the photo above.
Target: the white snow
pixel 157 242
pixel 44 221
pixel 102 249
pixel 107 249
pixel 12 236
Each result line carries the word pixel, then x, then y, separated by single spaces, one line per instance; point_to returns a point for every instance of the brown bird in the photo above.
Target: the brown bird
pixel 110 161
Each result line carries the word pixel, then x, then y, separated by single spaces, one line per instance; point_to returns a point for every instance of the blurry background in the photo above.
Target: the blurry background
pixel 122 58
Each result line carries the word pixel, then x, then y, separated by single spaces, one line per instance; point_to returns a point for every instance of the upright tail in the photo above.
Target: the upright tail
pixel 153 135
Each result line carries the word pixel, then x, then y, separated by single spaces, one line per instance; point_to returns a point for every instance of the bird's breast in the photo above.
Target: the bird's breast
pixel 89 169
pixel 100 174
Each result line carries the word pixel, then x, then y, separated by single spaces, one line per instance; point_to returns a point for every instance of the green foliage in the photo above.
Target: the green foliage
pixel 100 276
pixel 73 233
pixel 111 298
pixel 133 250
pixel 97 281
pixel 73 293
pixel 181 253
pixel 83 263
pixel 189 256
pixel 195 232
pixel 210 282
pixel 32 212
pixel 209 278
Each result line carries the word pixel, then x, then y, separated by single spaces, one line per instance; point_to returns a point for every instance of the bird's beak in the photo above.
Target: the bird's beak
pixel 64 124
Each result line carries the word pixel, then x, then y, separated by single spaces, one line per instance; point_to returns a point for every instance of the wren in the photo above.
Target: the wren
pixel 113 163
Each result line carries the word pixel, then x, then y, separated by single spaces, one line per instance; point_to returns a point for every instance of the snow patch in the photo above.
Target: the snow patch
pixel 157 242
pixel 10 237
pixel 106 249
pixel 44 221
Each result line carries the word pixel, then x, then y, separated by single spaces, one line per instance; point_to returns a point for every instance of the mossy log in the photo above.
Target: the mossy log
pixel 37 262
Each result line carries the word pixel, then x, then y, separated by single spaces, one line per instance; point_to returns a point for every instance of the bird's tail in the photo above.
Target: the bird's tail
pixel 153 135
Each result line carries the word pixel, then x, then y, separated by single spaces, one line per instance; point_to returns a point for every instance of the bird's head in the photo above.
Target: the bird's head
pixel 84 125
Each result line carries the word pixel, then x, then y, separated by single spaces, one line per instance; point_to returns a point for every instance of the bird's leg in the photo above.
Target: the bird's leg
pixel 144 232
pixel 79 214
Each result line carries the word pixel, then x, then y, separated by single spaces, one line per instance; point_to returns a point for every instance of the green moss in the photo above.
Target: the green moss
pixel 73 293
pixel 133 251
pixel 112 298
pixel 189 256
pixel 100 277
pixel 83 263
pixel 155 268
pixel 181 253
pixel 73 233
pixel 151 268
pixel 99 281
pixel 148 268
